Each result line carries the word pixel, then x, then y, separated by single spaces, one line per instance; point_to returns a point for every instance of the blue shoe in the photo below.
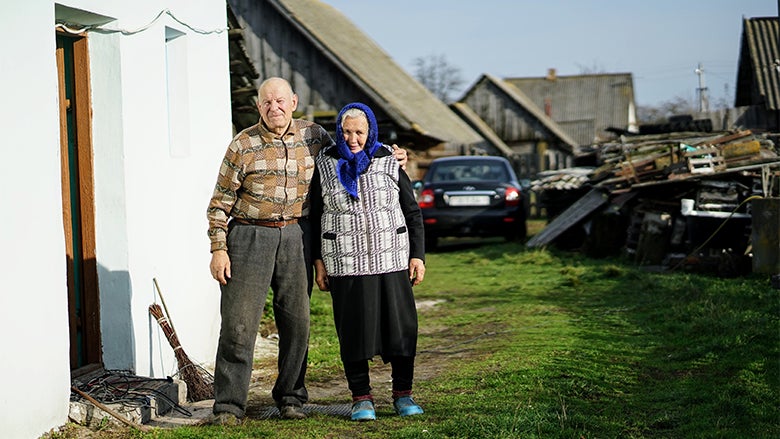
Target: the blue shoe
pixel 363 410
pixel 405 406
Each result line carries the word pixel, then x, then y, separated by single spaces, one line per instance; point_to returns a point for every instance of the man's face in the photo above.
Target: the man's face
pixel 276 103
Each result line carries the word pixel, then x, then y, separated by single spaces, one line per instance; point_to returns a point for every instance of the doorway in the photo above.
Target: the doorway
pixel 78 202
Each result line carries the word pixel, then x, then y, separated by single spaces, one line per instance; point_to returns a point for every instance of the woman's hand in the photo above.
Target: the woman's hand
pixel 401 155
pixel 321 275
pixel 416 271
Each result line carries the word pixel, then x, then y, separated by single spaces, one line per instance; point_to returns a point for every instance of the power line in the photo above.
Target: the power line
pixel 67 27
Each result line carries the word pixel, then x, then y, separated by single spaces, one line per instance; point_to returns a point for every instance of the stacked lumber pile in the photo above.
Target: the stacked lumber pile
pixel 645 159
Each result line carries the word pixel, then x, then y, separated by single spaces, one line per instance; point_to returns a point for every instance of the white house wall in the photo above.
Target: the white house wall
pixel 150 199
pixel 33 298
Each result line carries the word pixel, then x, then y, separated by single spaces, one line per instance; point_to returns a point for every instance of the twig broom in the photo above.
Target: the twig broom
pixel 200 383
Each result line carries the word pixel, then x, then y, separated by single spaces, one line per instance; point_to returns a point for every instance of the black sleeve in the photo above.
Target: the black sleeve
pixel 315 215
pixel 413 216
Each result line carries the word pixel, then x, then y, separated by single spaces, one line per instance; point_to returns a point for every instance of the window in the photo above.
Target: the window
pixel 177 87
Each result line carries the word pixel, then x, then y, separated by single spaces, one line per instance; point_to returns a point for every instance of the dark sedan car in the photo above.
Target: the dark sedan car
pixel 472 196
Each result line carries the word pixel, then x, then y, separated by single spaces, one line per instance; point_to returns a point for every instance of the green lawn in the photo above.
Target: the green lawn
pixel 546 344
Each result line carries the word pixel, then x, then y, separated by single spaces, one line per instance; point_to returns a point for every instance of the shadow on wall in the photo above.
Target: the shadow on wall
pixel 117 332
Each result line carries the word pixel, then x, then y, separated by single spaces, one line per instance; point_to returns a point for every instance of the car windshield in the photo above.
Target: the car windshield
pixel 457 172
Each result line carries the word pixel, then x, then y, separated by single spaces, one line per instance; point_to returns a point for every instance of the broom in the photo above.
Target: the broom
pixel 198 388
pixel 200 383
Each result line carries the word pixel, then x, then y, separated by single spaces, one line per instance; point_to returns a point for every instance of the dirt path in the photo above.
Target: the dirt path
pixel 427 366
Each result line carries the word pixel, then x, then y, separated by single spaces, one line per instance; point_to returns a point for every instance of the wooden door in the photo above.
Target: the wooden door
pixel 78 201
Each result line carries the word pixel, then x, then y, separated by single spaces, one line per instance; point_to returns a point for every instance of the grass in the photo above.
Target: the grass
pixel 546 344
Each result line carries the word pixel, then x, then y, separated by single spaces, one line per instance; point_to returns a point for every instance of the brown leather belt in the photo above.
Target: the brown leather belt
pixel 266 223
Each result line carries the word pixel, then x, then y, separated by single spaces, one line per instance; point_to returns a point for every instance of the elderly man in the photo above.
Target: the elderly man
pixel 257 218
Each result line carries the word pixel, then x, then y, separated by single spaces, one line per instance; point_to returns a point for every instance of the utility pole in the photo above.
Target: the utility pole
pixel 704 102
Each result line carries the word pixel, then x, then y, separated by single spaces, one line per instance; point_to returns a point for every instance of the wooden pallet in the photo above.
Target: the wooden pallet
pixel 705 160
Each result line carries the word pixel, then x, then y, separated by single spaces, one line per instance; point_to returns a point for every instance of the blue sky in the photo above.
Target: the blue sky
pixel 660 42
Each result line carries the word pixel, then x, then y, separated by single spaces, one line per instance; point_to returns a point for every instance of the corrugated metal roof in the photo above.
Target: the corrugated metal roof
pixel 405 100
pixel 583 105
pixel 758 75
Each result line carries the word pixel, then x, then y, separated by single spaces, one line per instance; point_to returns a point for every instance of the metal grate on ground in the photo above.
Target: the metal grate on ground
pixel 343 410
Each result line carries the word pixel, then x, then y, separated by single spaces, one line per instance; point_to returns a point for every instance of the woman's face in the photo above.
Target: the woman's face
pixel 355 132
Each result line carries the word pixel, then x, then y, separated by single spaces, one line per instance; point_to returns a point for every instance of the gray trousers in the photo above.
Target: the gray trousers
pixel 263 257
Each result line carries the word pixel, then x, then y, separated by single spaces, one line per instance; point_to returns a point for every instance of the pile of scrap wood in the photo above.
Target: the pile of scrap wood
pixel 662 198
pixel 675 156
pixel 644 160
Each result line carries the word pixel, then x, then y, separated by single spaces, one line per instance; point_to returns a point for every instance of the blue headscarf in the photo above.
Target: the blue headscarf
pixel 350 166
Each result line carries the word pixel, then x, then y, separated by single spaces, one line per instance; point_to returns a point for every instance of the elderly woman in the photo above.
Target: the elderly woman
pixel 370 254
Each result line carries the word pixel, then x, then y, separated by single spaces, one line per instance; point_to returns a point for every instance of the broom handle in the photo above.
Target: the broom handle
pixel 111 412
pixel 167 314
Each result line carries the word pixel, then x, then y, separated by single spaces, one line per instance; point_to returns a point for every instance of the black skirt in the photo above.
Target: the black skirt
pixel 374 315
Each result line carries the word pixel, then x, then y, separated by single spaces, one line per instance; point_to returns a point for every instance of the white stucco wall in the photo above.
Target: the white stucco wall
pixel 150 201
pixel 33 295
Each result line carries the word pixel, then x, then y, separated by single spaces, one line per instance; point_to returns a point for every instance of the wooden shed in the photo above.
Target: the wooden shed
pixel 330 62
pixel 758 75
pixel 584 106
pixel 540 143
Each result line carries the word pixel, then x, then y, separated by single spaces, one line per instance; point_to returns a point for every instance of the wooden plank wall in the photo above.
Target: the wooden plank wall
pixel 519 129
pixel 279 49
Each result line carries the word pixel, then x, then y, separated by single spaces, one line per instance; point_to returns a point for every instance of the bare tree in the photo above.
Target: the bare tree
pixel 438 76
pixel 656 114
pixel 592 69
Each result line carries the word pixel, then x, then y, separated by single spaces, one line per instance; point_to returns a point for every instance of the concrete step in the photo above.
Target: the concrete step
pixel 137 399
